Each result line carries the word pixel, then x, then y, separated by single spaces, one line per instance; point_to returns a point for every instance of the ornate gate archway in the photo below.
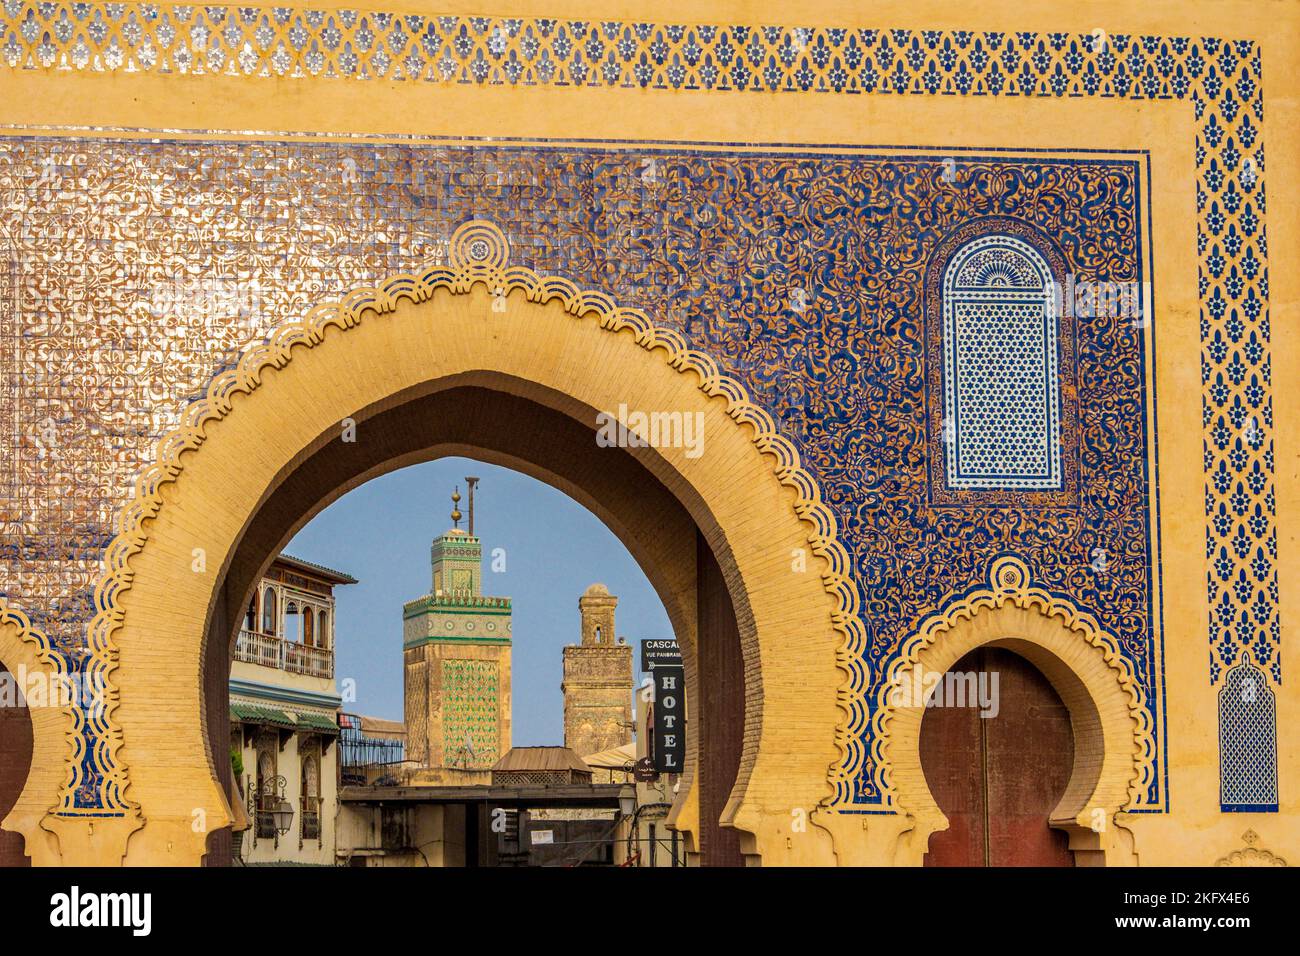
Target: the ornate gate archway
pixel 477 320
pixel 1112 738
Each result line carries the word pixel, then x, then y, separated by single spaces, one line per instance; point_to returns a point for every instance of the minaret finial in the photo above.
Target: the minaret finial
pixel 455 508
pixel 471 482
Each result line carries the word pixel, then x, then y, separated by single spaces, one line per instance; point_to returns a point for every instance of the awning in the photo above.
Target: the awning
pixel 252 714
pixel 321 723
pixel 243 713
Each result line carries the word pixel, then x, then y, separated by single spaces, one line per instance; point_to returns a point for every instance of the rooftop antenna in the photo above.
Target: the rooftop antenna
pixel 471 482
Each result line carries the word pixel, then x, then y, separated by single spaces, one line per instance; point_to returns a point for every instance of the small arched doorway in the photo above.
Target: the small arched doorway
pixel 15 760
pixel 997 750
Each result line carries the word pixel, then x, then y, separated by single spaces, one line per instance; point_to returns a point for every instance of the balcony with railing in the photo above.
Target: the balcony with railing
pixel 265 805
pixel 255 647
pixel 367 760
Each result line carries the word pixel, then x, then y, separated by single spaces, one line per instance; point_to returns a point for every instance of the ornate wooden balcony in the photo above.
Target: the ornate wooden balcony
pixel 254 647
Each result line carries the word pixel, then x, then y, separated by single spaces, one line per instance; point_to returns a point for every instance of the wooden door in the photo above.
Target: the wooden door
pixel 15 761
pixel 997 778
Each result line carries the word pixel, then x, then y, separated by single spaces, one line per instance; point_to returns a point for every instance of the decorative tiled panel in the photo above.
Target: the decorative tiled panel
pixel 1247 741
pixel 361 44
pixel 1001 389
pixel 184 251
pixel 1219 81
pixel 470 729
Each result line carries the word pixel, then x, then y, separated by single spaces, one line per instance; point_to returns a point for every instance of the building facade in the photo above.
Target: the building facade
pixel 646 835
pixel 456 654
pixel 284 707
pixel 597 684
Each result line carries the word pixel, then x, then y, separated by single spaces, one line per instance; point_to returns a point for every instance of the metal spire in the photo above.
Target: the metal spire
pixel 471 482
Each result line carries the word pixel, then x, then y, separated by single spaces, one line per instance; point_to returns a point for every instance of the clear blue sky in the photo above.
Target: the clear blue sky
pixel 380 534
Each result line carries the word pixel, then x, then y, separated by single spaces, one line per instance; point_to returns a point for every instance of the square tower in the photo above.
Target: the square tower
pixel 456 648
pixel 597 683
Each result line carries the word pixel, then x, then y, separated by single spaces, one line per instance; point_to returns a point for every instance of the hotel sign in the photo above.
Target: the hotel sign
pixel 669 719
pixel 660 654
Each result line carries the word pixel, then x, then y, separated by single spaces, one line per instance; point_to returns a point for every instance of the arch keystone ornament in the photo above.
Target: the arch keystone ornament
pixel 1250 854
pixel 476 320
pixel 1113 740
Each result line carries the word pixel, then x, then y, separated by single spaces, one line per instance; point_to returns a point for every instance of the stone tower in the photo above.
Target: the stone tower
pixel 597 679
pixel 456 649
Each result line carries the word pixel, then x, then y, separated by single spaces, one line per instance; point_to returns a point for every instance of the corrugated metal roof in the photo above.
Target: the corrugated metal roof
pixel 379 727
pixel 540 758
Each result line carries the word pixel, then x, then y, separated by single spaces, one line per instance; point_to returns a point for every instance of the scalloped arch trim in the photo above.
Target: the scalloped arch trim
pixel 58 741
pixel 1009 586
pixel 479 255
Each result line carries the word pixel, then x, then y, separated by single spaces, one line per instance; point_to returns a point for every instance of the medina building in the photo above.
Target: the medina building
pixel 284 716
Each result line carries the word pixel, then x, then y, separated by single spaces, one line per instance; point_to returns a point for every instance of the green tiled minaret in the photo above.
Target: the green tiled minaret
pixel 456 646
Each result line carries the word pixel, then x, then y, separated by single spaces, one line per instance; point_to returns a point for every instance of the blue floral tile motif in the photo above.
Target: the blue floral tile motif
pixel 807 276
